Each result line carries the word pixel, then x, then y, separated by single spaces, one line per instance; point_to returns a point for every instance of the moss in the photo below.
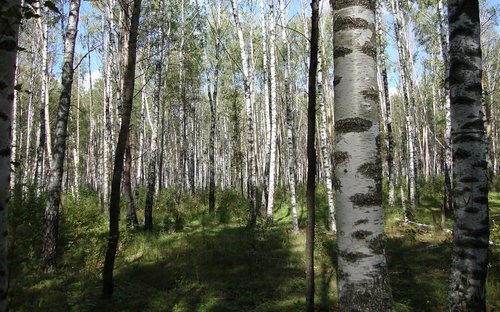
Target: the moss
pixel 355 124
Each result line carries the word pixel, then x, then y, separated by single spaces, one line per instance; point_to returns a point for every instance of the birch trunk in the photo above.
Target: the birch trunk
pixel 273 120
pixel 470 183
pixel 289 119
pixel 387 105
pixel 247 82
pixel 114 206
pixel 51 221
pixel 325 151
pixel 8 53
pixel 362 275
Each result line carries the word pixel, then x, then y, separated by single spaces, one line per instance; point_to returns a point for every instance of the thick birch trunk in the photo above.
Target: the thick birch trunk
pixel 8 53
pixel 470 183
pixel 114 206
pixel 362 275
pixel 51 221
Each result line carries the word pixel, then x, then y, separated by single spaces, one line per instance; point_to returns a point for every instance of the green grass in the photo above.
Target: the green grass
pixel 216 264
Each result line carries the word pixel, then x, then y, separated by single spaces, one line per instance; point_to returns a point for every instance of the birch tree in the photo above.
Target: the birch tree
pixel 9 27
pixel 362 275
pixel 51 221
pixel 247 85
pixel 470 183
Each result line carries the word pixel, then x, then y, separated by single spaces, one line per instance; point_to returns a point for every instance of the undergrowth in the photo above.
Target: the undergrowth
pixel 193 261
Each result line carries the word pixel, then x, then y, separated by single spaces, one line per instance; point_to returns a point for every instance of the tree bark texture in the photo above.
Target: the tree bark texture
pixel 114 205
pixel 470 183
pixel 361 275
pixel 9 27
pixel 311 155
pixel 51 220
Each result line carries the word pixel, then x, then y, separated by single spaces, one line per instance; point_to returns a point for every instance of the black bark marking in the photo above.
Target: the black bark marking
pixel 377 244
pixel 465 100
pixel 362 221
pixel 340 157
pixel 466 242
pixel 361 234
pixel 481 200
pixel 366 200
pixel 340 4
pixel 483 164
pixel 474 232
pixel 3 85
pixel 471 209
pixel 341 51
pixel 336 80
pixel 477 124
pixel 474 87
pixel 460 153
pixel 467 138
pixel 355 124
pixel 369 49
pixel 370 94
pixel 371 170
pixel 353 256
pixel 346 23
pixel 469 180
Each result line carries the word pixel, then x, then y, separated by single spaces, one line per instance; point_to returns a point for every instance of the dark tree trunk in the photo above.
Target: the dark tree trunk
pixel 311 156
pixel 127 189
pixel 114 205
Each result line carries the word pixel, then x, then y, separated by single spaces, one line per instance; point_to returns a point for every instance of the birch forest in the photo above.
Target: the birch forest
pixel 249 155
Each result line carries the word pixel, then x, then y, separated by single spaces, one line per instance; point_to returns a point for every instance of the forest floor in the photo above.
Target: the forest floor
pixel 216 264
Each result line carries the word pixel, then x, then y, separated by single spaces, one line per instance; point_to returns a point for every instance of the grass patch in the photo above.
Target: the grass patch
pixel 216 264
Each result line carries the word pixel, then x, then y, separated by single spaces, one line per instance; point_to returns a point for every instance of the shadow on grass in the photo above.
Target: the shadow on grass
pixel 215 269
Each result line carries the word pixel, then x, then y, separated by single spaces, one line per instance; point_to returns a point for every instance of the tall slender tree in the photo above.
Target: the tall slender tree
pixel 114 205
pixel 311 155
pixel 470 183
pixel 51 222
pixel 361 275
pixel 9 26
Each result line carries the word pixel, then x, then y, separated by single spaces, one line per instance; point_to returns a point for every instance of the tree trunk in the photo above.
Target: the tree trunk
pixel 273 119
pixel 8 52
pixel 247 83
pixel 470 183
pixel 289 120
pixel 114 206
pixel 325 150
pixel 51 221
pixel 311 155
pixel 362 275
pixel 388 110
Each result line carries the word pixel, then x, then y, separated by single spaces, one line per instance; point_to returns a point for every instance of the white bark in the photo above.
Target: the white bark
pixel 8 49
pixel 362 275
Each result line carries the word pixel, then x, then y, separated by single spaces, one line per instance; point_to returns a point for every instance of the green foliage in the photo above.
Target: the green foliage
pixel 215 263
